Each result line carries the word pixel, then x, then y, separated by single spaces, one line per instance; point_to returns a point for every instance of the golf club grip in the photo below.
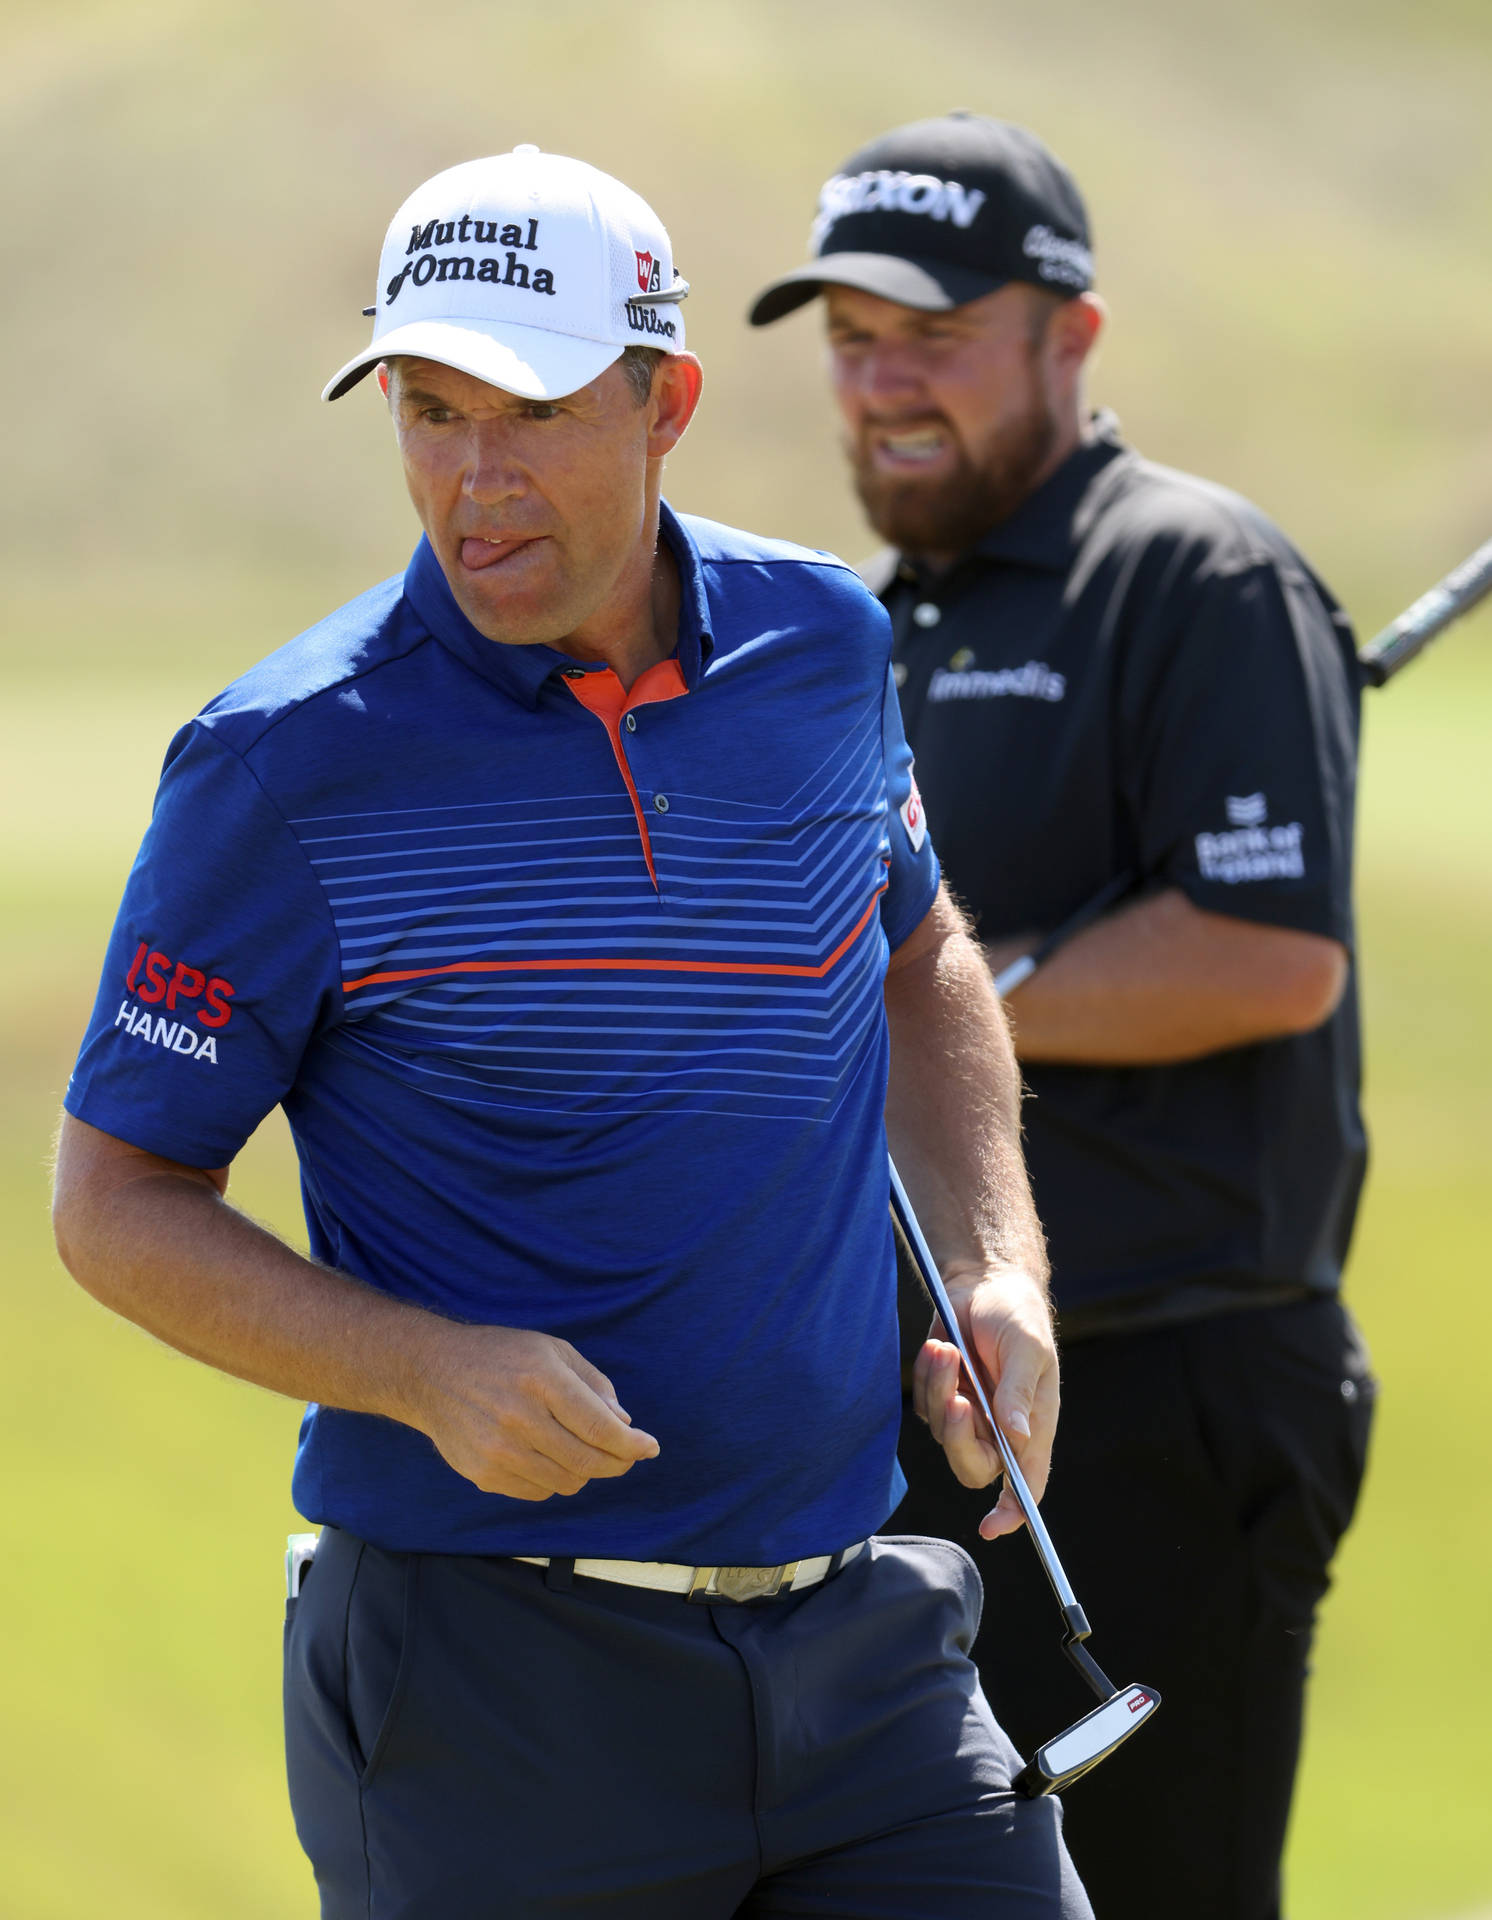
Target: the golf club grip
pixel 1461 589
pixel 901 1206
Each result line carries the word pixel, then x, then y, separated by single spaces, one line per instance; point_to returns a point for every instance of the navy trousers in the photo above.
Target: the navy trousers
pixel 470 1738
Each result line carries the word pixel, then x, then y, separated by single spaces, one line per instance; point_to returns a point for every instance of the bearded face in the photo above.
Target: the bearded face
pixel 951 418
pixel 951 507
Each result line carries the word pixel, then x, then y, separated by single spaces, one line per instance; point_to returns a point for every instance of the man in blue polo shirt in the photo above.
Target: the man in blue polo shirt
pixel 566 891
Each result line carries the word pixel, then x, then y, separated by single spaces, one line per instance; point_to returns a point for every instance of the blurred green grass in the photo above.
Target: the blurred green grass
pixel 1290 206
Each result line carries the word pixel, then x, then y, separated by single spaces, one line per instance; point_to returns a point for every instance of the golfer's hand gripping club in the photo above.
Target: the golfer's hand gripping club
pixel 1091 1739
pixel 932 1280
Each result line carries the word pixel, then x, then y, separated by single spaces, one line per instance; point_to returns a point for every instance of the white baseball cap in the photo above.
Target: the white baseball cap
pixel 527 270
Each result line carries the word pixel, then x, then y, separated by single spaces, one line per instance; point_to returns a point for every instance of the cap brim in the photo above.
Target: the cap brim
pixel 527 361
pixel 927 284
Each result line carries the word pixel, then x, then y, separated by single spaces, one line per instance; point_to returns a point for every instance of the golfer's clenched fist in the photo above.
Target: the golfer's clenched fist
pixel 521 1413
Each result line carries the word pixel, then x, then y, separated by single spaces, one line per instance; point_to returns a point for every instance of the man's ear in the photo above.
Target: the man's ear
pixel 1073 330
pixel 381 373
pixel 675 395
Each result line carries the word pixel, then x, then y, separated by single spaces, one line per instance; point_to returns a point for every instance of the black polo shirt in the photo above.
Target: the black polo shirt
pixel 1136 672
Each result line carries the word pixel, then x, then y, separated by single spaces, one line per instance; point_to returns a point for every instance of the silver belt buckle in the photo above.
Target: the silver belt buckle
pixel 740 1584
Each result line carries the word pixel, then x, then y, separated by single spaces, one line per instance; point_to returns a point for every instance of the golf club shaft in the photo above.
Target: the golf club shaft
pixel 1019 971
pixel 1461 589
pixel 1431 614
pixel 1015 1479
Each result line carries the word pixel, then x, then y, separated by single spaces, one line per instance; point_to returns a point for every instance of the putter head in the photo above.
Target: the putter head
pixel 1056 1765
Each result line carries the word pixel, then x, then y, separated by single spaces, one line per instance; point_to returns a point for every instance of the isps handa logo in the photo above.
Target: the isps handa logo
pixel 157 981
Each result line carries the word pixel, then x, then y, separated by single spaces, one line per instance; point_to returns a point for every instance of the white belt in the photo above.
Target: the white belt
pixel 710 1583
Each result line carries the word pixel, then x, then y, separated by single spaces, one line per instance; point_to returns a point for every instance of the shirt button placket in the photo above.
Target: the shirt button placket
pixel 643 780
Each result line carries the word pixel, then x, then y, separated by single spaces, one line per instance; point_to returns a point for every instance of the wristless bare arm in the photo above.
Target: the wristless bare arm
pixel 953 1121
pixel 516 1412
pixel 1162 980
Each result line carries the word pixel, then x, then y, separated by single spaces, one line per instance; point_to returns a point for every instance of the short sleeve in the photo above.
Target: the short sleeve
pixel 913 883
pixel 221 969
pixel 1243 730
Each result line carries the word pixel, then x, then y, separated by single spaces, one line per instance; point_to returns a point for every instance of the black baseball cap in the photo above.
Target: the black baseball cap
pixel 940 212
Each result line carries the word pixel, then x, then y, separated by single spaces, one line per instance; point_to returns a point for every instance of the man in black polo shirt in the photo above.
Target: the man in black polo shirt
pixel 1110 669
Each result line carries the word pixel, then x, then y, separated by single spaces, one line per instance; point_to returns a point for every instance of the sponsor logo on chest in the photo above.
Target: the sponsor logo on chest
pixel 962 680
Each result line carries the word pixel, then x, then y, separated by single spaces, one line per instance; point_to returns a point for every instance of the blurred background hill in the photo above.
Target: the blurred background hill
pixel 1291 209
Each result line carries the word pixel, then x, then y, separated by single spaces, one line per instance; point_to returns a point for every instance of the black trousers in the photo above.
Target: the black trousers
pixel 1202 1478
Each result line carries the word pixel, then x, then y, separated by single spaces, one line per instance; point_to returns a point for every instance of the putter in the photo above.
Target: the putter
pixel 1055 1765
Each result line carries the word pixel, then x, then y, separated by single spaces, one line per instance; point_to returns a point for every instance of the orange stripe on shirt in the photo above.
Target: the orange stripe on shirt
pixel 629 966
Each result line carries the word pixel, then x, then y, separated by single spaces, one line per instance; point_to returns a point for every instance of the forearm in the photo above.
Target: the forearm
pixel 953 1109
pixel 1162 981
pixel 953 1120
pixel 166 1250
pixel 516 1411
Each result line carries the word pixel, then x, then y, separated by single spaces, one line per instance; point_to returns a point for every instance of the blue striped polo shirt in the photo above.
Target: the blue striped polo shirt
pixel 573 1000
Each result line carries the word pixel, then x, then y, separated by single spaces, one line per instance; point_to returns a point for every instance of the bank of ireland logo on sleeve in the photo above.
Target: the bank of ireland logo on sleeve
pixel 1251 850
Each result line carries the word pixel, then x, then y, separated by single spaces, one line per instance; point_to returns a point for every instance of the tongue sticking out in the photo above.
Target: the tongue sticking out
pixel 486 553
